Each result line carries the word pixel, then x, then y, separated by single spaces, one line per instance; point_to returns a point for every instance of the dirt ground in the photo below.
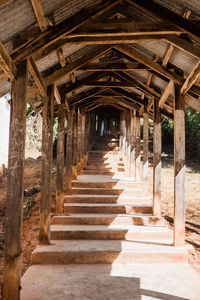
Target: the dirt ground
pixel 31 206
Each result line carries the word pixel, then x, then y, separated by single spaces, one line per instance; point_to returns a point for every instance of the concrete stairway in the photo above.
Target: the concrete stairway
pixel 108 219
pixel 108 245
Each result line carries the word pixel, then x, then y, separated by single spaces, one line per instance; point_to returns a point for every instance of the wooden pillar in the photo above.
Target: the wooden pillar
pixel 60 159
pixel 129 143
pixel 133 143
pixel 79 142
pixel 123 132
pixel 137 150
pixel 179 169
pixel 47 150
pixel 157 143
pixel 74 146
pixel 83 141
pixel 145 149
pixel 15 186
pixel 68 175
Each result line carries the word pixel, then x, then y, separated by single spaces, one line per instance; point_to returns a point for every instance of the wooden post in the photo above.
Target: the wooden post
pixel 145 149
pixel 15 186
pixel 179 169
pixel 79 148
pixel 74 146
pixel 123 132
pixel 68 174
pixel 129 143
pixel 60 159
pixel 137 150
pixel 157 142
pixel 133 143
pixel 47 150
pixel 83 140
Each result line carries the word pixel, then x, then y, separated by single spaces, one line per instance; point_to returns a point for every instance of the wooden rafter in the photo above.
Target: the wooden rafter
pixel 168 15
pixel 55 36
pixel 113 66
pixel 6 63
pixel 169 90
pixel 37 77
pixel 57 75
pixel 39 14
pixel 56 94
pixel 61 57
pixel 192 78
pixel 85 95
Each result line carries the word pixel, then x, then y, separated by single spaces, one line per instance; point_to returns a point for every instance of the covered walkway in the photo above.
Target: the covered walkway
pixel 103 69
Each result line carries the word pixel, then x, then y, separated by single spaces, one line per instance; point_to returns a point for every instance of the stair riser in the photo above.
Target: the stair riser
pixel 77 191
pixel 108 185
pixel 100 172
pixel 107 221
pixel 110 168
pixel 103 257
pixel 105 200
pixel 109 235
pixel 107 210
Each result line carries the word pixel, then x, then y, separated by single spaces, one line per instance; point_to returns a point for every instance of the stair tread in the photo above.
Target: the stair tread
pixel 131 228
pixel 108 216
pixel 107 204
pixel 77 246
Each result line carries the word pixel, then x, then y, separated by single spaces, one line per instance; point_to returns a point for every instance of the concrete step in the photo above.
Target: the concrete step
pixel 106 184
pixel 101 152
pixel 105 168
pixel 107 199
pixel 102 172
pixel 107 219
pixel 110 232
pixel 107 251
pixel 116 282
pixel 106 191
pixel 107 208
pixel 106 164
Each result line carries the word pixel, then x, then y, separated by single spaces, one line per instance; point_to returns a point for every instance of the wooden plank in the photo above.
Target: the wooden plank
pixel 179 169
pixel 39 14
pixel 169 90
pixel 15 186
pixel 137 150
pixel 131 96
pixel 66 103
pixel 168 55
pixel 145 149
pixel 60 159
pixel 165 14
pixel 47 149
pixel 94 52
pixel 192 78
pixel 142 58
pixel 55 36
pixel 192 102
pixel 109 84
pixel 157 144
pixel 68 175
pixel 37 77
pixel 56 94
pixel 6 62
pixel 85 95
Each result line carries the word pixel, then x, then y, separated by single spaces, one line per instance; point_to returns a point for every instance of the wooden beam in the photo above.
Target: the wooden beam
pixel 136 83
pixel 39 14
pixel 6 63
pixel 119 27
pixel 113 66
pixel 15 186
pixel 73 66
pixel 168 55
pixel 55 36
pixel 165 14
pixel 60 159
pixel 157 145
pixel 66 103
pixel 56 94
pixel 179 169
pixel 85 95
pixel 68 87
pixel 108 84
pixel 192 78
pixel 192 102
pixel 169 90
pixel 130 96
pixel 142 58
pixel 47 150
pixel 37 77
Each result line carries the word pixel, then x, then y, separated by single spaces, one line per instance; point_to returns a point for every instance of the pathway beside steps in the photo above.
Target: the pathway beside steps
pixel 108 245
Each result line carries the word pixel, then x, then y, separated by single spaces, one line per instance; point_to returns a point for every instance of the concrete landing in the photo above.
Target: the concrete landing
pixel 111 282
